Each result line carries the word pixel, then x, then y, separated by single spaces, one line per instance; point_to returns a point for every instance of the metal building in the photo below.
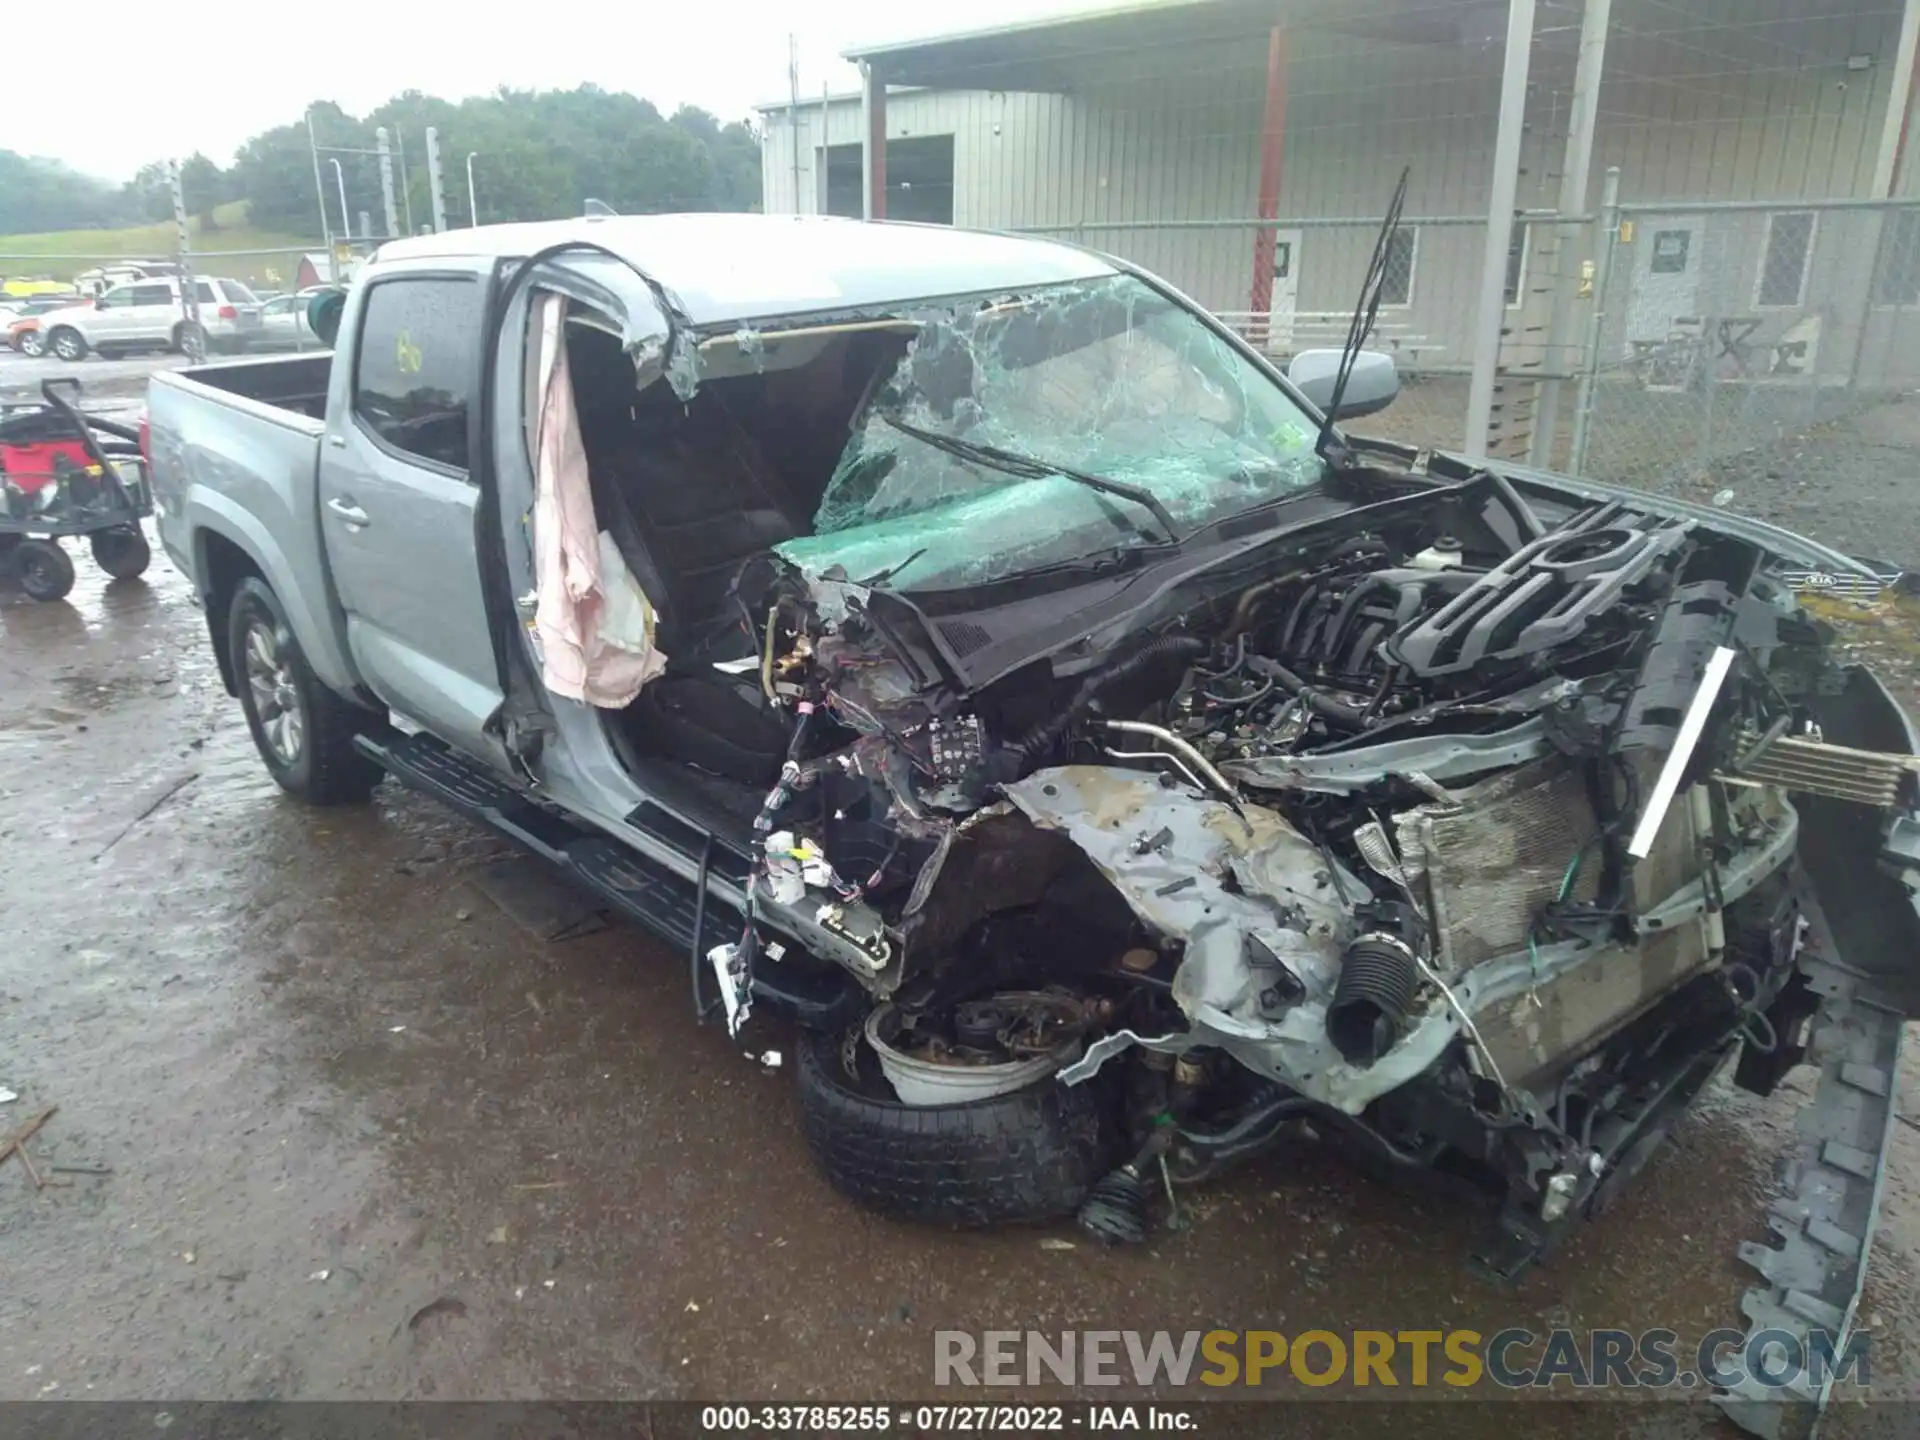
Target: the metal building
pixel 1245 148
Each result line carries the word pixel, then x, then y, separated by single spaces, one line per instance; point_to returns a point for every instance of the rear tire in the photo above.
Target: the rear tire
pixel 67 344
pixel 1028 1155
pixel 122 552
pixel 190 340
pixel 31 344
pixel 303 731
pixel 45 570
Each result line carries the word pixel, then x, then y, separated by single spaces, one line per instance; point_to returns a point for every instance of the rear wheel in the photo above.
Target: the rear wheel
pixel 45 571
pixel 122 552
pixel 303 731
pixel 190 340
pixel 32 343
pixel 67 344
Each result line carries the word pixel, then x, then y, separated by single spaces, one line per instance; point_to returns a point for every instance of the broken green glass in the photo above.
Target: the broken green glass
pixel 1105 376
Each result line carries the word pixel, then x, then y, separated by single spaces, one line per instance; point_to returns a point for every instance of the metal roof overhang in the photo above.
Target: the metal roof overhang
pixel 1061 54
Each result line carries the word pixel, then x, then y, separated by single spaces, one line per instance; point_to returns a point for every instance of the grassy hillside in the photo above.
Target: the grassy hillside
pixel 67 252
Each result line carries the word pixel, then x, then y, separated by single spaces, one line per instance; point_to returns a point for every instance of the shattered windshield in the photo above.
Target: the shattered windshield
pixel 1105 377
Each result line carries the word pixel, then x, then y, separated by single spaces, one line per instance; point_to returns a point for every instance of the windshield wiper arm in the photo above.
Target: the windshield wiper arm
pixel 1032 468
pixel 1365 312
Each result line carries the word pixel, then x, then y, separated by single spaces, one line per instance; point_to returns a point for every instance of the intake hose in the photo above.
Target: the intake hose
pixel 1368 1016
pixel 1334 712
pixel 1044 736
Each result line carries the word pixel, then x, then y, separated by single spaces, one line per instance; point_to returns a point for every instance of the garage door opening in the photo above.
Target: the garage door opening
pixel 919 180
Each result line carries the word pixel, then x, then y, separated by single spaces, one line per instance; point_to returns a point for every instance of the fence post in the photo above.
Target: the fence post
pixel 183 240
pixel 434 187
pixel 1490 315
pixel 1596 318
pixel 1573 200
pixel 386 181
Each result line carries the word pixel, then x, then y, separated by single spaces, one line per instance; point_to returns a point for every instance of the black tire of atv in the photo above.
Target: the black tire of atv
pixel 1030 1155
pixel 45 570
pixel 326 770
pixel 122 552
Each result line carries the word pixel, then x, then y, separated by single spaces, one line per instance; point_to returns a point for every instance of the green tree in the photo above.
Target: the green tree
pixel 538 155
pixel 37 194
pixel 203 184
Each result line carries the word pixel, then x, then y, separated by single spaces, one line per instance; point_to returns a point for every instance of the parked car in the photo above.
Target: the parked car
pixel 23 327
pixel 1113 762
pixel 284 326
pixel 122 272
pixel 150 315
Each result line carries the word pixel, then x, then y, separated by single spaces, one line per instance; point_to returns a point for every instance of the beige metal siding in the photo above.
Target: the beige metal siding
pixel 1702 99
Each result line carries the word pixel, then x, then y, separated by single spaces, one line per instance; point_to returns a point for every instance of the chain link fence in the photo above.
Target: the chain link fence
pixel 1731 336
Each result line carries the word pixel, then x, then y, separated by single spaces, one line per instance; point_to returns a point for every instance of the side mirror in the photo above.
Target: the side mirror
pixel 1371 385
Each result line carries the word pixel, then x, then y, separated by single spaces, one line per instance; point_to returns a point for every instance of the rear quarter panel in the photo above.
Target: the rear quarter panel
pixel 230 466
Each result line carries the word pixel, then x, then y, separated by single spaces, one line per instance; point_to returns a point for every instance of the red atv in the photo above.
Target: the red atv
pixel 64 472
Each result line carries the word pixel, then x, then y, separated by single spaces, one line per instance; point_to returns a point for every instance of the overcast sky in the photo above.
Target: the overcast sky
pixel 250 66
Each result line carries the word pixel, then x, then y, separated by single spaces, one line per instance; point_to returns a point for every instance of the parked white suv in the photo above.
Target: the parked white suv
pixel 150 315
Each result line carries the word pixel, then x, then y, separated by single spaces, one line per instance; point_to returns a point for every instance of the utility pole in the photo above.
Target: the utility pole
pixel 319 190
pixel 386 180
pixel 473 201
pixel 434 186
pixel 793 112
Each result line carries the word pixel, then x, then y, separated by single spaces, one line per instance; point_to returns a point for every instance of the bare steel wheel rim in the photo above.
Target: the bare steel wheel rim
pixel 275 700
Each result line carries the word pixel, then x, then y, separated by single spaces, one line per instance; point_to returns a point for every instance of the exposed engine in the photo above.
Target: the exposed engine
pixel 1358 810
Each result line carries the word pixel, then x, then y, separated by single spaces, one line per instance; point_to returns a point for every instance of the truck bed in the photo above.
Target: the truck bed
pixel 235 458
pixel 295 382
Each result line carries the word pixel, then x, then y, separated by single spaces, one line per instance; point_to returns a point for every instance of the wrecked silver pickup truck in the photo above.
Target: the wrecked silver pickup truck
pixel 1114 763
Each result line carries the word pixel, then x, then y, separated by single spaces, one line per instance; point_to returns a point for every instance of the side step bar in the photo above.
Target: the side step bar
pixel 683 913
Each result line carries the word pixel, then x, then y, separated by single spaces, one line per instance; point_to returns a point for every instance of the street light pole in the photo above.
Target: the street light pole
pixel 319 190
pixel 346 219
pixel 473 205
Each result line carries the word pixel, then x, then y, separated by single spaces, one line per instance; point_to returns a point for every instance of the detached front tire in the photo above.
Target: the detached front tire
pixel 1029 1155
pixel 303 731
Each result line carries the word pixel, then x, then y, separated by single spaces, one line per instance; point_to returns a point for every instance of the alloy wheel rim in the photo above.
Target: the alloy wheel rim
pixel 275 700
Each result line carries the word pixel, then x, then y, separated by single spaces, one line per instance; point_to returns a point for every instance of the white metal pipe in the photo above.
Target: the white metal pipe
pixel 873 96
pixel 1575 171
pixel 473 199
pixel 340 179
pixel 1503 192
pixel 1692 725
pixel 1179 746
pixel 1899 103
